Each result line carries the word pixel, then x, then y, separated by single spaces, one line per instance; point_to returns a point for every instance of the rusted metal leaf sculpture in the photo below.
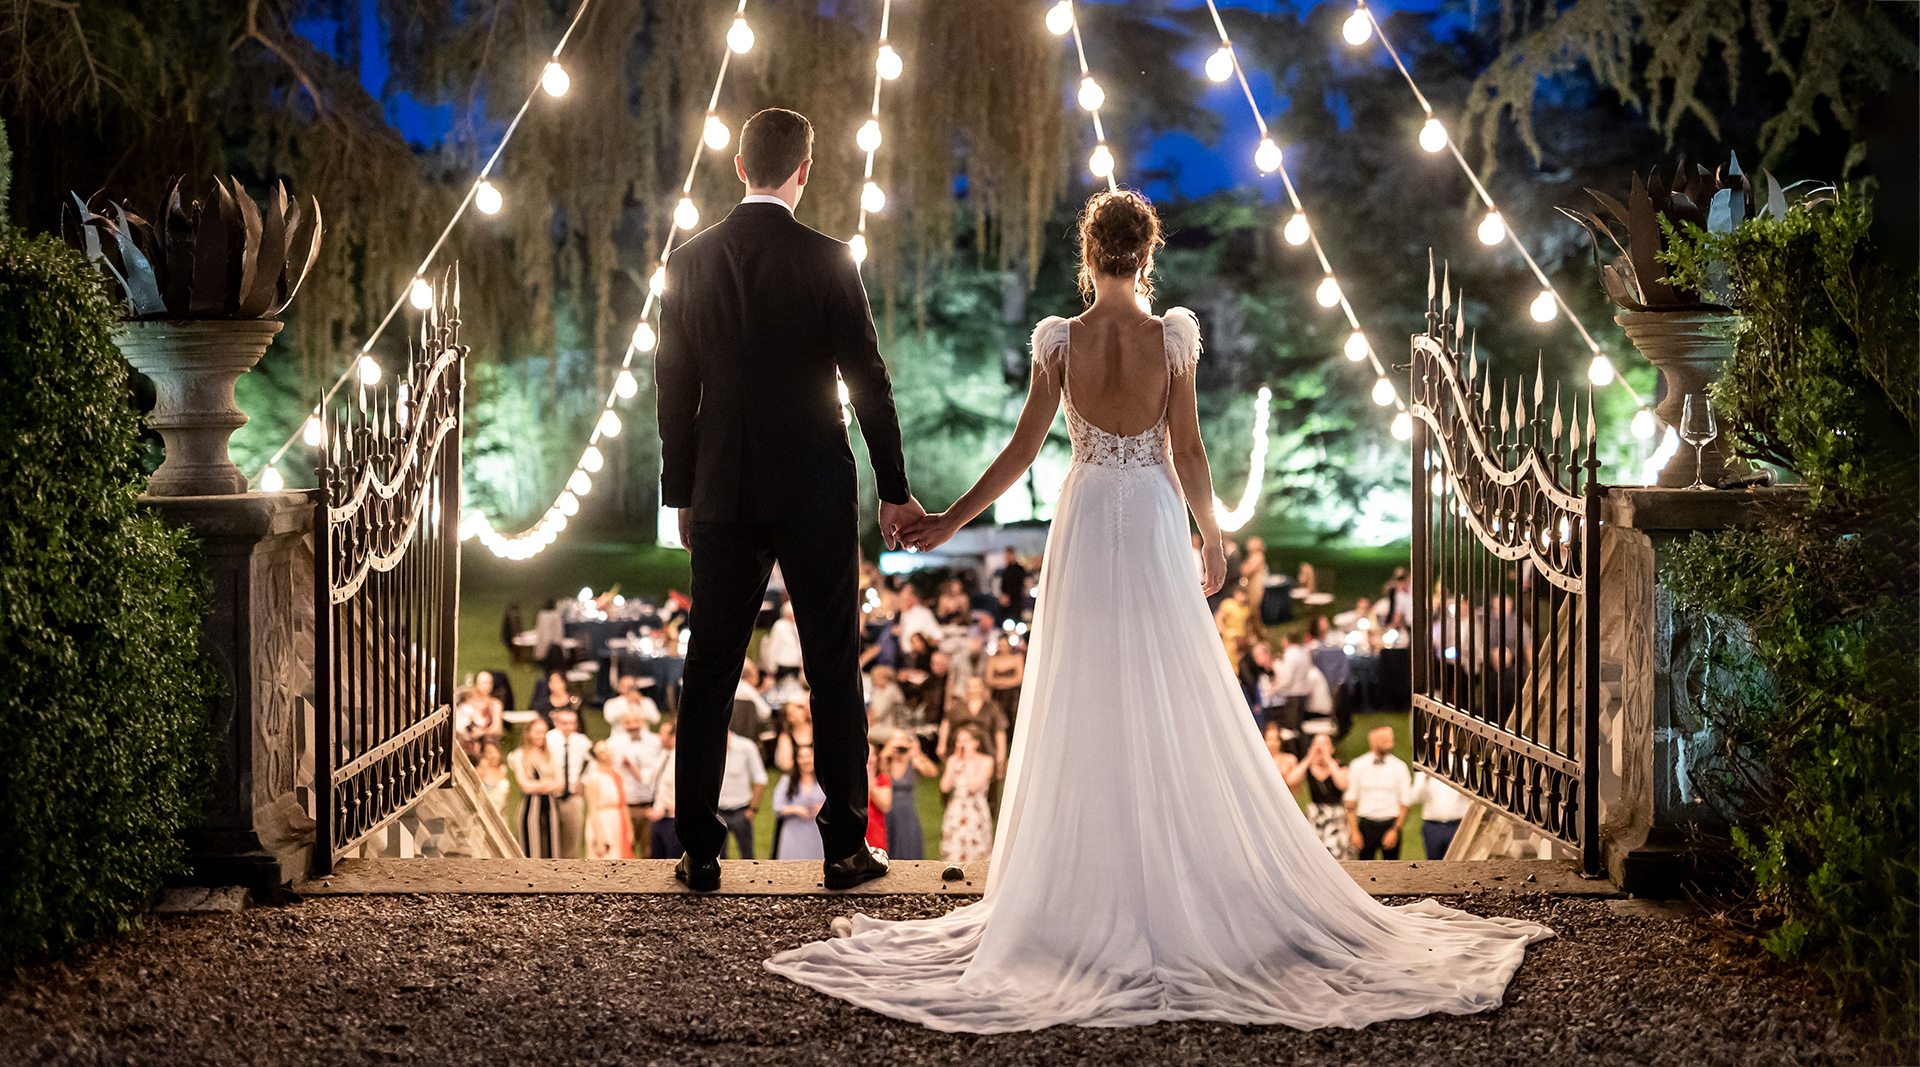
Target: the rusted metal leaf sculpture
pixel 220 257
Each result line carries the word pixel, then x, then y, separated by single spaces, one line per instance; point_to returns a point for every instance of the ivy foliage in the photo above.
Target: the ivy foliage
pixel 106 703
pixel 1820 718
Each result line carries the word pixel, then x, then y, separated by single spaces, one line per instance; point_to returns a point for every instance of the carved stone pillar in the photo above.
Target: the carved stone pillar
pixel 257 551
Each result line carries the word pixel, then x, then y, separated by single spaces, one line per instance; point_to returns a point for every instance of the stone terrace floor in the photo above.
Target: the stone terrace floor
pixel 452 980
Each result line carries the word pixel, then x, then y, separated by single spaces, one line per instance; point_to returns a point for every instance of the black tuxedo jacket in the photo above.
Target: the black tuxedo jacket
pixel 758 313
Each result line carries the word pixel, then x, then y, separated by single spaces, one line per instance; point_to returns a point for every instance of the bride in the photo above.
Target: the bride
pixel 1150 863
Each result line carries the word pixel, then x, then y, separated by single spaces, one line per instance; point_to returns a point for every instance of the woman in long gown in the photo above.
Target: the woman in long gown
pixel 1150 863
pixel 538 777
pixel 609 831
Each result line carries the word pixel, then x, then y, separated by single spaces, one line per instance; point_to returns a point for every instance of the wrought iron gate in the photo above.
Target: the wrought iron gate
pixel 1506 561
pixel 387 589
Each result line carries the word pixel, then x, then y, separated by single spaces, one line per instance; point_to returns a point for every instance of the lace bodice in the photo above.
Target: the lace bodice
pixel 1091 444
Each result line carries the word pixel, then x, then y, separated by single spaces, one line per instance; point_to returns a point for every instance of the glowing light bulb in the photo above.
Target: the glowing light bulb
pixel 868 137
pixel 1100 163
pixel 315 432
pixel 685 214
pixel 657 283
pixel 591 460
pixel 1357 28
pixel 858 246
pixel 715 134
pixel 1383 392
pixel 369 370
pixel 1329 292
pixel 624 386
pixel 887 64
pixel 568 504
pixel 420 294
pixel 1600 371
pixel 872 198
pixel 1296 230
pixel 644 338
pixel 586 594
pixel 740 36
pixel 1493 229
pixel 1643 424
pixel 1140 301
pixel 1060 18
pixel 1267 157
pixel 609 424
pixel 487 198
pixel 1433 136
pixel 1545 307
pixel 1220 64
pixel 554 79
pixel 1356 346
pixel 1091 95
pixel 580 484
pixel 270 480
pixel 1403 427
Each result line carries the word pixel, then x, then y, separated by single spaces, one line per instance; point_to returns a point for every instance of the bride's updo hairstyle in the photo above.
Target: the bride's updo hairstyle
pixel 1119 233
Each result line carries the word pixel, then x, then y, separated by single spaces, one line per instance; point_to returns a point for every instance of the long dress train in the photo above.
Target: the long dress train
pixel 1150 862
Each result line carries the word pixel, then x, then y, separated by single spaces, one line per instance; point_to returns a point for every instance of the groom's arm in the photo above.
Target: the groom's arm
pixel 868 387
pixel 676 380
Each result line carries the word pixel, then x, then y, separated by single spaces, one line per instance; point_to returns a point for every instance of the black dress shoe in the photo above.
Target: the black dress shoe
pixel 862 866
pixel 701 876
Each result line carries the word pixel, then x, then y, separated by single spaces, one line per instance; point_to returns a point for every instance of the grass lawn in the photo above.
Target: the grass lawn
pixel 598 561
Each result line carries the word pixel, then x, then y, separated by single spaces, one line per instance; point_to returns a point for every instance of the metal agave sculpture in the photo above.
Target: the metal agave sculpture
pixel 1715 202
pixel 217 258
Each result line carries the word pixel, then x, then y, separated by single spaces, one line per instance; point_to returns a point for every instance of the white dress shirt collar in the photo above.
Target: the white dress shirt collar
pixel 762 198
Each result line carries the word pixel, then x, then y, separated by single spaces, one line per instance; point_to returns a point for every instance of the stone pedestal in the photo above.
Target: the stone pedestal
pixel 1655 747
pixel 194 364
pixel 257 550
pixel 1688 348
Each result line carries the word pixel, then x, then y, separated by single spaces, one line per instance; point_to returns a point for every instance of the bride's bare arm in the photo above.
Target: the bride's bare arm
pixel 1196 481
pixel 1043 402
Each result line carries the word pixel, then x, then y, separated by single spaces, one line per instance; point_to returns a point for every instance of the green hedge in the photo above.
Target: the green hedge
pixel 104 749
pixel 1820 718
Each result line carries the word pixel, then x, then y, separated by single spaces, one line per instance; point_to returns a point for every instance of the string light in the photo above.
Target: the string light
pixel 487 198
pixel 643 337
pixel 657 282
pixel 1600 371
pixel 1232 519
pixel 1433 136
pixel 1493 229
pixel 1383 393
pixel 420 294
pixel 1060 18
pixel 1545 307
pixel 858 246
pixel 715 134
pixel 1091 95
pixel 1403 427
pixel 1357 347
pixel 1267 157
pixel 369 371
pixel 740 36
pixel 270 480
pixel 591 460
pixel 568 504
pixel 625 385
pixel 1220 64
pixel 1297 231
pixel 554 79
pixel 1644 424
pixel 887 64
pixel 868 137
pixel 872 198
pixel 1100 163
pixel 1357 28
pixel 314 434
pixel 1328 294
pixel 609 423
pixel 685 214
pixel 579 483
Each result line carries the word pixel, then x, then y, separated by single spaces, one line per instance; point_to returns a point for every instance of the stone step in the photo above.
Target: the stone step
pixel 1382 878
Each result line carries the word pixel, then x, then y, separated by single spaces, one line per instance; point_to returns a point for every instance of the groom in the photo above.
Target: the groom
pixel 758 313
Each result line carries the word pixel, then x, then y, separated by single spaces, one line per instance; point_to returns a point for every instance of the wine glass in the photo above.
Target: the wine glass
pixel 1697 429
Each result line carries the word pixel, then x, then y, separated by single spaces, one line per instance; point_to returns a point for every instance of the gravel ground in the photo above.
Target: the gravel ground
pixel 454 981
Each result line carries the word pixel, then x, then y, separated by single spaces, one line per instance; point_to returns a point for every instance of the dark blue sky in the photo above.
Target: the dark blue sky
pixel 1199 167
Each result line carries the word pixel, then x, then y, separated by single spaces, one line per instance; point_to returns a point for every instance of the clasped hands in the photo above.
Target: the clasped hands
pixel 909 526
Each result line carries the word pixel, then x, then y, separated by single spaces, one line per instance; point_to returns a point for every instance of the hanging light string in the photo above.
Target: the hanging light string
pixel 1062 21
pixel 419 291
pixel 714 136
pixel 1224 63
pixel 873 199
pixel 1494 228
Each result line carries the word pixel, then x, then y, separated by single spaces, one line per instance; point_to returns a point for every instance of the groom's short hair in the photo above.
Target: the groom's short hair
pixel 773 144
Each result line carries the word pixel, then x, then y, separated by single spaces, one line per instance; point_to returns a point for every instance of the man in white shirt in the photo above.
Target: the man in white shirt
pixel 632 701
pixel 916 617
pixel 742 783
pixel 1441 809
pixel 665 836
pixel 780 649
pixel 636 759
pixel 572 754
pixel 1298 679
pixel 1378 792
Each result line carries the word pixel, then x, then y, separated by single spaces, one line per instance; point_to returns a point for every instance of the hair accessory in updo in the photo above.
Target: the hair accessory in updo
pixel 1119 232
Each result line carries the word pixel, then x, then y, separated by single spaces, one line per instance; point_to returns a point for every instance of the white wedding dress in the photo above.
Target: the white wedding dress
pixel 1151 863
